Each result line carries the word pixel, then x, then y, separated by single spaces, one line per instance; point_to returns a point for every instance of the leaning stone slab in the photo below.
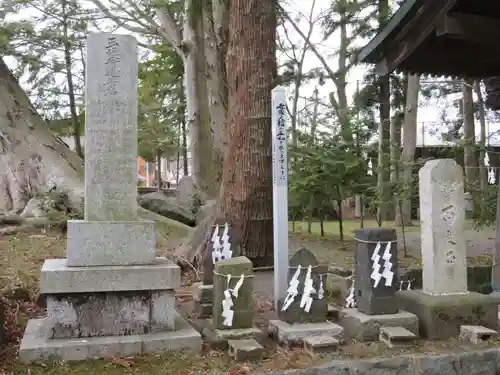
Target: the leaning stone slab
pixel 363 327
pixel 57 277
pixel 440 317
pixel 293 334
pixel 467 362
pixel 110 243
pixel 37 346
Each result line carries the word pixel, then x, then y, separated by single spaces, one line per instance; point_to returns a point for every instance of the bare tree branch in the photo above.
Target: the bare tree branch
pixel 170 30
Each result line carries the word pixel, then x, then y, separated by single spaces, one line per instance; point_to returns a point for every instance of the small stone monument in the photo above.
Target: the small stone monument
pixel 223 245
pixel 303 312
pixel 232 315
pixel 305 276
pixel 375 286
pixel 111 296
pixel 376 260
pixel 444 304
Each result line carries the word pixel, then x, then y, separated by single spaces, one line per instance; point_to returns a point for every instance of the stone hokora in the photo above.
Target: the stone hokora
pixel 295 313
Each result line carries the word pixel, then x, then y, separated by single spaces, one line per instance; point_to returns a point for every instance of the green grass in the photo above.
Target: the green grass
pixel 332 227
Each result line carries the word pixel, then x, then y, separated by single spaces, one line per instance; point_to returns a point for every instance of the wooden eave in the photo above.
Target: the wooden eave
pixel 459 38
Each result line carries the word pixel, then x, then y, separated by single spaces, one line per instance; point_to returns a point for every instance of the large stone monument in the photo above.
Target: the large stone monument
pixel 444 303
pixel 375 286
pixel 303 312
pixel 111 296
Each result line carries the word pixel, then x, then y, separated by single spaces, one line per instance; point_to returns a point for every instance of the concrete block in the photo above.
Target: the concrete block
pixel 37 346
pixel 477 334
pixel 364 327
pixel 441 316
pixel 245 350
pixel 57 277
pixel 203 293
pixel 110 243
pixel 293 334
pixel 332 313
pixel 320 344
pixel 397 337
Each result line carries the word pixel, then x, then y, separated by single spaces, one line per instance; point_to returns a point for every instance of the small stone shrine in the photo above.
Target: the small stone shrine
pixel 444 304
pixel 375 286
pixel 223 245
pixel 376 259
pixel 111 296
pixel 303 312
pixel 233 309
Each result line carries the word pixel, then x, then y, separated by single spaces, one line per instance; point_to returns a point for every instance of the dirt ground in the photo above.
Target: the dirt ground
pixel 21 257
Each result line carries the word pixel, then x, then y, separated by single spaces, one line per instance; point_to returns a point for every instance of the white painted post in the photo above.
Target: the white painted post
pixel 280 193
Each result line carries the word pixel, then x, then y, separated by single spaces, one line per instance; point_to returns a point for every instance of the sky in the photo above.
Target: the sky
pixel 428 121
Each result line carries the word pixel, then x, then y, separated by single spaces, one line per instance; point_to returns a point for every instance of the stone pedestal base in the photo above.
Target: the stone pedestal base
pixel 37 345
pixel 202 300
pixel 293 334
pixel 129 308
pixel 363 327
pixel 440 317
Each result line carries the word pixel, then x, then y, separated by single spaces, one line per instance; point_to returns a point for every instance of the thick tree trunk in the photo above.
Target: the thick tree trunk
pixel 470 162
pixel 32 159
pixel 216 16
pixel 409 146
pixel 483 174
pixel 246 191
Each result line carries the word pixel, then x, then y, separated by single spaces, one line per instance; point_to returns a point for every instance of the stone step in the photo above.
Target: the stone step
pixel 245 350
pixel 396 336
pixel 320 344
pixel 476 334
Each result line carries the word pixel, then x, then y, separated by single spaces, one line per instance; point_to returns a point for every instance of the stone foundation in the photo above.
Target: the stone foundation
pixel 107 314
pixel 363 327
pixel 440 317
pixel 130 309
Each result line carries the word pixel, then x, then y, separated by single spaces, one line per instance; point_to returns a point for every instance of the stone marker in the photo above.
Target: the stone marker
pixel 228 274
pixel 111 110
pixel 111 296
pixel 280 193
pixel 444 304
pixel 245 350
pixel 397 337
pixel 318 310
pixel 444 253
pixel 376 271
pixel 224 243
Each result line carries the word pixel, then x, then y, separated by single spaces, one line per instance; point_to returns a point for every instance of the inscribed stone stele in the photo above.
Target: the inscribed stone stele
pixel 442 213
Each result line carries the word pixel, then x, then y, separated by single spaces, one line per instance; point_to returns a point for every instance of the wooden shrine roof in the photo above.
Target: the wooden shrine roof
pixel 459 38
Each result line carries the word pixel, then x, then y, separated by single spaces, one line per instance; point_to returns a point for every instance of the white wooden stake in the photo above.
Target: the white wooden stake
pixel 280 193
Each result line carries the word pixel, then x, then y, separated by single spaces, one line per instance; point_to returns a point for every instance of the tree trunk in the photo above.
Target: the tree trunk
pixel 182 114
pixel 385 209
pixel 216 17
pixel 32 159
pixel 246 190
pixel 69 78
pixel 403 218
pixel 483 175
pixel 158 169
pixel 470 162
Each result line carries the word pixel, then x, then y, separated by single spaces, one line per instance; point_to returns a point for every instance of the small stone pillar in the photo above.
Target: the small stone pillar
pixel 227 275
pixel 376 271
